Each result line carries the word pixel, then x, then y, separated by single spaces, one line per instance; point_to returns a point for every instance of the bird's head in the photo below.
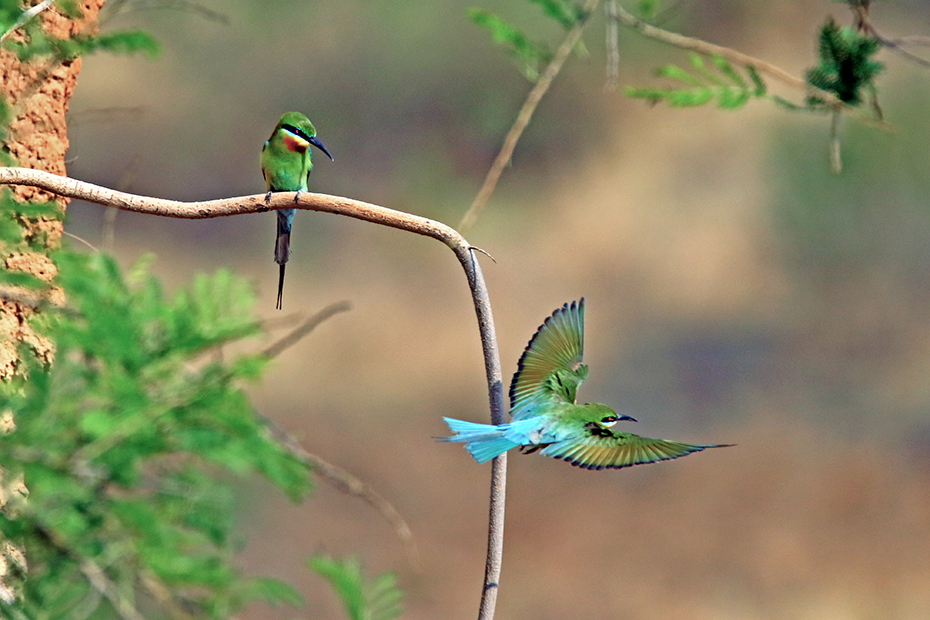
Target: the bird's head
pixel 298 133
pixel 612 418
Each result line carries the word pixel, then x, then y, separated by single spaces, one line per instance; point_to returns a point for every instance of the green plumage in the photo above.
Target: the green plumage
pixel 286 166
pixel 546 417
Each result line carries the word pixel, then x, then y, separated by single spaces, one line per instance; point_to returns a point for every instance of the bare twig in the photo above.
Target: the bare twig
pixel 97 578
pixel 72 188
pixel 178 5
pixel 305 328
pixel 485 252
pixel 25 17
pixel 163 594
pixel 351 484
pixel 288 321
pixel 523 118
pixel 108 229
pixel 339 477
pixel 836 157
pixel 915 39
pixel 897 46
pixel 613 52
pixel 863 23
pixel 81 239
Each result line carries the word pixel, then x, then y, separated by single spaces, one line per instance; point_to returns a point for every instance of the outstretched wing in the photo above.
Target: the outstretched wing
pixel 601 448
pixel 550 367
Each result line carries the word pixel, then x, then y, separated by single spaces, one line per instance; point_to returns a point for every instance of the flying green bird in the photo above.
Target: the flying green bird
pixel 286 164
pixel 545 416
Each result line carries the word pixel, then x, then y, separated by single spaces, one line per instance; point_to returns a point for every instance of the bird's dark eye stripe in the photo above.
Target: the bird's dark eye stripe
pixel 610 418
pixel 296 131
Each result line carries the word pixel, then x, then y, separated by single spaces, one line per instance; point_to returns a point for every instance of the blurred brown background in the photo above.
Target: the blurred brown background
pixel 736 292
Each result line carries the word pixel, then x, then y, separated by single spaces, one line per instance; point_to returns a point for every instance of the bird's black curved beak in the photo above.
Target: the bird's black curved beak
pixel 316 142
pixel 621 418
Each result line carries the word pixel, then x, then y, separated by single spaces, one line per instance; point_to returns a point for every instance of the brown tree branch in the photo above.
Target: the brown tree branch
pixel 71 188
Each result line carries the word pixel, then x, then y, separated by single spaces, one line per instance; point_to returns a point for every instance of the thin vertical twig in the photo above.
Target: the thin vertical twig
pixel 836 158
pixel 523 118
pixel 108 231
pixel 498 492
pixel 611 26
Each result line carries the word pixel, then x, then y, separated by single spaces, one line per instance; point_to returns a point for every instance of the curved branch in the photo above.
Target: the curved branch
pixel 71 188
pixel 206 209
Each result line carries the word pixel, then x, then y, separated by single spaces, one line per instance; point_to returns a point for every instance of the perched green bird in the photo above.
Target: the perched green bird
pixel 286 164
pixel 545 416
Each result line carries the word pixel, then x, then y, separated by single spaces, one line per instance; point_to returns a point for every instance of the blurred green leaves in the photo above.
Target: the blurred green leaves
pixel 846 65
pixel 127 445
pixel 647 9
pixel 703 84
pixel 376 600
pixel 529 54
pixel 36 42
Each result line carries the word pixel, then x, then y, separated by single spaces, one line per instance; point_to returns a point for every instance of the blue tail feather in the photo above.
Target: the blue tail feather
pixel 484 450
pixel 483 441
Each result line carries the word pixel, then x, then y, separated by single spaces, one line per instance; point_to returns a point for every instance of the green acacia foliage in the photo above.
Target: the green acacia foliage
pixel 375 600
pixel 703 84
pixel 527 53
pixel 127 443
pixel 846 64
pixel 36 42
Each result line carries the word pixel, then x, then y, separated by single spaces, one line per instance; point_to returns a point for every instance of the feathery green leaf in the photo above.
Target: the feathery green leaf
pixel 529 54
pixel 703 84
pixel 377 600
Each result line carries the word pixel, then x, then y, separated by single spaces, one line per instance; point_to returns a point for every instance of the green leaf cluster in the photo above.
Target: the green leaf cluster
pixel 376 600
pixel 846 64
pixel 703 84
pixel 33 43
pixel 36 42
pixel 528 53
pixel 128 444
pixel 647 9
pixel 12 216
